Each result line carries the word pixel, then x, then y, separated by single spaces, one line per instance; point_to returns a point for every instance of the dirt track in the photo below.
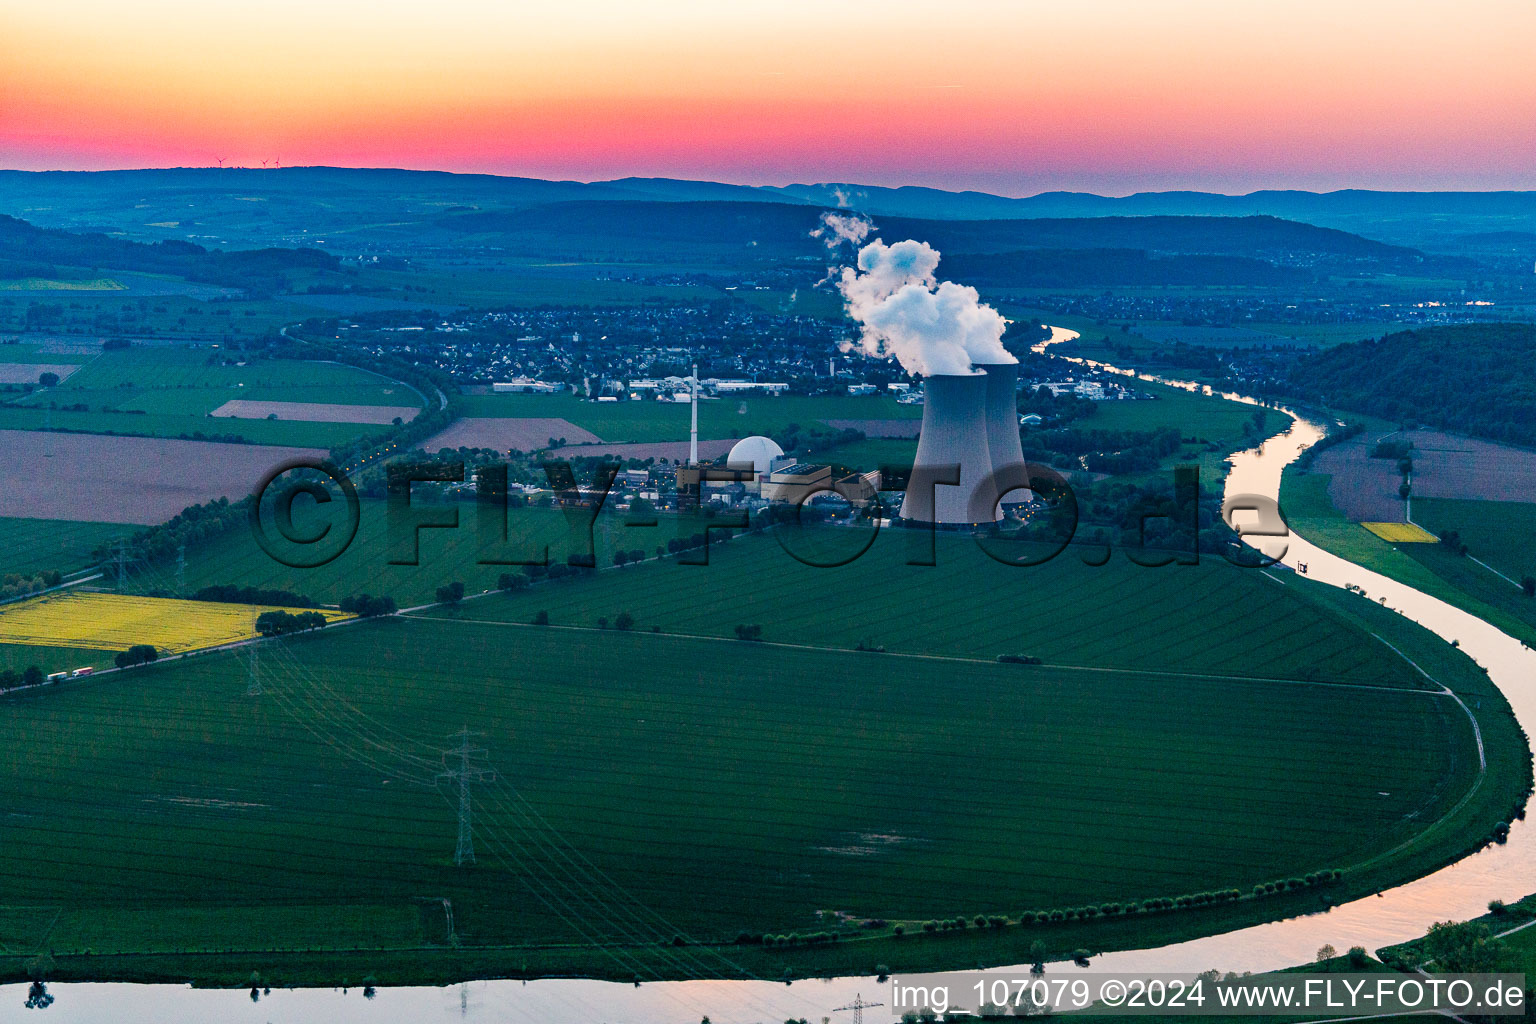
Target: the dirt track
pixel 27 373
pixel 316 412
pixel 103 479
pixel 503 434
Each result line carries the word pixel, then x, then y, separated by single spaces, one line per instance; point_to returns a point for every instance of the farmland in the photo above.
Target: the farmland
pixel 1432 568
pixel 1498 532
pixel 1177 617
pixel 1207 618
pixel 620 422
pixel 173 391
pixel 444 555
pixel 142 480
pixel 35 545
pixel 18 657
pixel 118 621
pixel 778 784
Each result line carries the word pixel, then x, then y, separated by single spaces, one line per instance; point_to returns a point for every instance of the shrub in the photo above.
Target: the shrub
pixel 231 594
pixel 366 606
pixel 138 654
pixel 278 622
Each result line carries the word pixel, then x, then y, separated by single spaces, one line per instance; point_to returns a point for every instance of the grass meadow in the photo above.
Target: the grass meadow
pixel 1208 618
pixel 163 391
pixel 1431 568
pixel 34 545
pixel 620 422
pixel 701 789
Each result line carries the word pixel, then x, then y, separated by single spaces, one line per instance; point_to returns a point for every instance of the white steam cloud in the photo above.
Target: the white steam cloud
pixel 930 326
pixel 836 229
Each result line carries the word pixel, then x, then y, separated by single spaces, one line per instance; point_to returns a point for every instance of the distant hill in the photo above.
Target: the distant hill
pixel 1128 248
pixel 244 207
pixel 1414 218
pixel 29 251
pixel 1075 268
pixel 1478 379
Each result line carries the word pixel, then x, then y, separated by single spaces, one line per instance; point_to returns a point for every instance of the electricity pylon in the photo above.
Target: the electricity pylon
pixel 465 773
pixel 858 1006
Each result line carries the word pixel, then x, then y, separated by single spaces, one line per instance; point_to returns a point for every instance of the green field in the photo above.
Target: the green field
pixel 1207 618
pixel 1426 567
pixel 1212 427
pixel 1185 618
pixel 168 391
pixel 618 422
pixel 1501 533
pixel 657 786
pixel 95 315
pixel 19 657
pixel 34 545
pixel 444 555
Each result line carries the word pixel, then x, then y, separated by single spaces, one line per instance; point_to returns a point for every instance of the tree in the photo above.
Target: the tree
pixel 541 618
pixel 278 622
pixel 1326 953
pixel 1528 586
pixel 624 621
pixel 138 654
pixel 1358 957
pixel 746 632
pixel 450 594
pixel 366 606
pixel 620 558
pixel 32 676
pixel 512 581
pixel 1466 948
pixel 48 379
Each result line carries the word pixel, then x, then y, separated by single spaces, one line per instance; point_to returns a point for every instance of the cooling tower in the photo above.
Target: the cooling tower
pixel 954 433
pixel 1008 469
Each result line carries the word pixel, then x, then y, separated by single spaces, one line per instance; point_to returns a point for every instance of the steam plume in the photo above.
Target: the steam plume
pixel 836 229
pixel 930 326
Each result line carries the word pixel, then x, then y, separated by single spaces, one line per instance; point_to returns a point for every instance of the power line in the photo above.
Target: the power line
pixel 122 564
pixel 253 682
pixel 464 774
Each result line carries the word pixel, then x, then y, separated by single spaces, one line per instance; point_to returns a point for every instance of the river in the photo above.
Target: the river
pixel 1458 891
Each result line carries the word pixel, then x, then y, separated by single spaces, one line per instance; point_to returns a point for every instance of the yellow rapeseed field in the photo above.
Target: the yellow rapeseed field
pixel 1401 533
pixel 115 622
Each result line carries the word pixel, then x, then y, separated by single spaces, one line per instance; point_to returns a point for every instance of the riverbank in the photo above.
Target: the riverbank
pixel 1304 501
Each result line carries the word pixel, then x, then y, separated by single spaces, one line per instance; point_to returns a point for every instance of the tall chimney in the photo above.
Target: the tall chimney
pixel 954 433
pixel 693 427
pixel 1008 469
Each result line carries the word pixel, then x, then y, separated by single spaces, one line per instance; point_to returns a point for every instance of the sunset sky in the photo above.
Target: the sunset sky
pixel 1013 97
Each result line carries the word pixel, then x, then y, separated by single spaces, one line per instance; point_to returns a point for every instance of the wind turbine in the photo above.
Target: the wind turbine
pixel 221 162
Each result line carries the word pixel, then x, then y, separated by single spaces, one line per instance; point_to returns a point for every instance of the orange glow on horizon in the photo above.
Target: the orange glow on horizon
pixel 1012 97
